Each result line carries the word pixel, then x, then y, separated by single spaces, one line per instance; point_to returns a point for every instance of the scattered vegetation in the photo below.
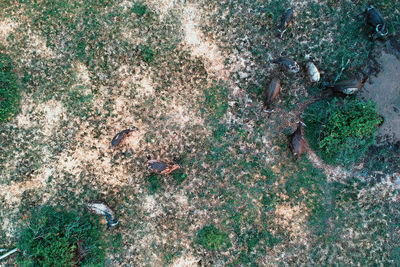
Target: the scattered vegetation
pixel 215 101
pixel 383 159
pixel 237 165
pixel 79 102
pixel 212 238
pixel 56 237
pixel 341 130
pixel 153 183
pixel 358 206
pixel 9 90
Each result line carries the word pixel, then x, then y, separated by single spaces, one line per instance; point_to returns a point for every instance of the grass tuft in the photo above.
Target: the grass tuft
pixel 146 53
pixel 9 90
pixel 139 9
pixel 79 103
pixel 211 238
pixel 153 183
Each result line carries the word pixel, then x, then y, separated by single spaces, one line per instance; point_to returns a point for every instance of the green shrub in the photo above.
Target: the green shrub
pixel 9 93
pixel 179 176
pixel 55 237
pixel 341 130
pixel 211 238
pixel 146 53
pixel 153 183
pixel 139 9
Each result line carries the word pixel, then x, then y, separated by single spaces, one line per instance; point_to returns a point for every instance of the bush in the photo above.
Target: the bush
pixel 341 131
pixel 9 93
pixel 139 9
pixel 55 237
pixel 146 53
pixel 211 238
pixel 153 183
pixel 179 176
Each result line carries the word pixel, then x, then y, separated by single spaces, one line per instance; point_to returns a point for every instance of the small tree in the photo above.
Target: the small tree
pixel 341 130
pixel 55 237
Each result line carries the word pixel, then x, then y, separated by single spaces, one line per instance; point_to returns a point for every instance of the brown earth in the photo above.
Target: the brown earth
pixel 384 89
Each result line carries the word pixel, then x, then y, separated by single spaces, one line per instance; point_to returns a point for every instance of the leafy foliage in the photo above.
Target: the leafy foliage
pixel 9 94
pixel 146 53
pixel 139 9
pixel 179 176
pixel 212 238
pixel 56 237
pixel 341 130
pixel 153 183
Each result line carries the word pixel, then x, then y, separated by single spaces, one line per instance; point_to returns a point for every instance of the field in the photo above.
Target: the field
pixel 190 75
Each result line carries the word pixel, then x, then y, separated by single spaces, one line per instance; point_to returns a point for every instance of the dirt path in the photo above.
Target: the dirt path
pixel 201 47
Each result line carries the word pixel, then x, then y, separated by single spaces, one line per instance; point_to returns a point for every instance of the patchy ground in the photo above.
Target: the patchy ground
pixel 384 90
pixel 190 76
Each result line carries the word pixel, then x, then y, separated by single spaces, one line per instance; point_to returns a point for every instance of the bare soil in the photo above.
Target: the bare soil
pixel 384 90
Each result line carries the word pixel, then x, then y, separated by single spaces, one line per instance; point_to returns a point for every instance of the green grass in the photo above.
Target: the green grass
pixel 80 18
pixel 52 238
pixel 215 101
pixel 154 183
pixel 28 155
pixel 347 208
pixel 179 176
pixel 211 238
pixel 9 90
pixel 385 159
pixel 220 131
pixel 115 243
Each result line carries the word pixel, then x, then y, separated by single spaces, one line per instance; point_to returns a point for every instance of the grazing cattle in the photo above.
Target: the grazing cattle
pixel 101 208
pixel 161 167
pixel 297 141
pixel 347 87
pixel 120 137
pixel 287 64
pixel 375 19
pixel 272 92
pixel 285 20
